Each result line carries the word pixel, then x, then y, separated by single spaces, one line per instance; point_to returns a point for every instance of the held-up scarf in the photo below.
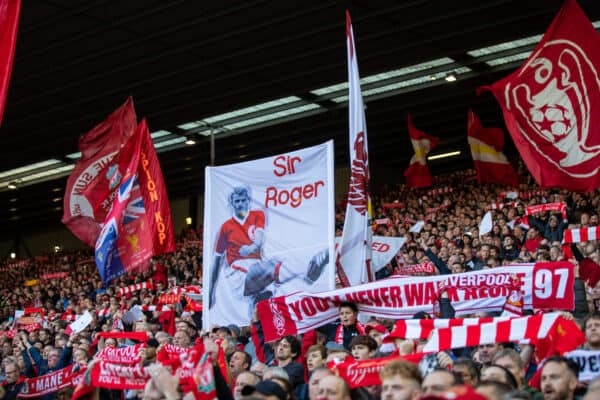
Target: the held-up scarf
pixel 366 372
pixel 37 387
pixel 582 234
pixel 121 355
pixel 339 333
pixel 523 330
pixel 134 288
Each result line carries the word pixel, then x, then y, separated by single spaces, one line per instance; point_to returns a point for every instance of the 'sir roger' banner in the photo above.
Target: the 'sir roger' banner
pixel 268 231
pixel 545 286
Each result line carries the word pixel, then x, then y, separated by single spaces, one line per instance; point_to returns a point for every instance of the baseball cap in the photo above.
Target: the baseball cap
pixel 267 388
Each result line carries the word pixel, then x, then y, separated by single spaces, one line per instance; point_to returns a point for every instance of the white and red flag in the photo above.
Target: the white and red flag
pixel 9 24
pixel 551 104
pixel 486 145
pixel 353 259
pixel 417 174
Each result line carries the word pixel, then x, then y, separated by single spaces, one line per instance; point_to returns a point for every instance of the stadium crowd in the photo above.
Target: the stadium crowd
pixel 56 289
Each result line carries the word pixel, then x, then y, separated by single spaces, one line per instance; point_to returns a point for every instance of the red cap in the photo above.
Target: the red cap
pixel 379 328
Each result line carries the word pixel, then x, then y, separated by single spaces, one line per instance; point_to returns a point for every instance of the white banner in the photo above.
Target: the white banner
pixel 268 231
pixel 588 361
pixel 355 251
pixel 383 249
pixel 545 286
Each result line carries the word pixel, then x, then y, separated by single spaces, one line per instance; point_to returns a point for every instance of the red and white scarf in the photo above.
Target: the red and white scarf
pixel 415 329
pixel 423 268
pixel 366 372
pixel 522 330
pixel 37 387
pixel 56 275
pixel 121 355
pixel 578 235
pixel 562 207
pixel 339 333
pixel 104 313
pixel 134 288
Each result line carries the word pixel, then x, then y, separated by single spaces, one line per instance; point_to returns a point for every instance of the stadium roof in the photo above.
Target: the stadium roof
pixel 263 76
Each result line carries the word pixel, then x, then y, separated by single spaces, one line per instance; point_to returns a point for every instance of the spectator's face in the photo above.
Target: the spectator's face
pixel 238 363
pixel 347 316
pixel 557 381
pixel 313 383
pixel 314 360
pixel 12 373
pixel 181 339
pixel 487 352
pixel 361 352
pixel 53 357
pixel 376 335
pixel 493 373
pixel 399 388
pixel 284 350
pixel 592 331
pixel 242 380
pixel 437 382
pixel 331 388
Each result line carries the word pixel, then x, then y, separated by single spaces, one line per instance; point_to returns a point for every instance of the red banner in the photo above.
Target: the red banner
pixel 551 103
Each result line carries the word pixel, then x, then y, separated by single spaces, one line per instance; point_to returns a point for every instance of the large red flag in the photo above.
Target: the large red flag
pixel 9 23
pixel 130 192
pixel 551 104
pixel 417 174
pixel 97 147
pixel 486 148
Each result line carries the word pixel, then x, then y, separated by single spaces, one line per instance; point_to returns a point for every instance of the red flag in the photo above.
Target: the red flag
pixel 138 223
pixel 98 147
pixel 156 201
pixel 9 23
pixel 486 147
pixel 551 104
pixel 417 174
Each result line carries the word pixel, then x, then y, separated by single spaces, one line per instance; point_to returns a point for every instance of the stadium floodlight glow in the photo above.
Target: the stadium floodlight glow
pixel 30 167
pixel 451 77
pixel 13 256
pixel 444 155
pixel 190 141
pixel 12 185
pixel 188 220
pixel 159 134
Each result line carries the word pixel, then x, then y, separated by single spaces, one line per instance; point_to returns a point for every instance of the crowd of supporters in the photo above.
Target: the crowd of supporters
pixel 56 289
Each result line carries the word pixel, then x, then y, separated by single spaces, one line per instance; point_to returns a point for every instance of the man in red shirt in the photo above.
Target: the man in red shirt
pixel 240 242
